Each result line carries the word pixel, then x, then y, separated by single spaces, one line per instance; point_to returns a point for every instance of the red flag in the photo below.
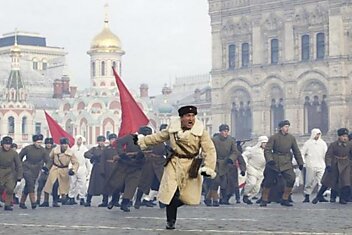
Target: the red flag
pixel 57 132
pixel 132 115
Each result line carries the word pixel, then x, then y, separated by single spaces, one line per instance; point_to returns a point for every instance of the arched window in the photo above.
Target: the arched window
pixel 320 46
pixel 11 125
pixel 274 51
pixel 114 64
pixel 24 125
pixel 93 69
pixel 35 64
pixel 44 65
pixel 232 56
pixel 103 68
pixel 245 55
pixel 305 47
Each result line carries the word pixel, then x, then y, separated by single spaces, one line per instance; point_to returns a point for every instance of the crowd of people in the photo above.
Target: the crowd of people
pixel 179 163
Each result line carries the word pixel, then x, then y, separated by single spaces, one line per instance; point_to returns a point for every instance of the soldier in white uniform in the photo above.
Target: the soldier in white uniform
pixel 255 168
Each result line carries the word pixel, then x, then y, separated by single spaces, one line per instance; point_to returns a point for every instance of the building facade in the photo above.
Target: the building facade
pixel 281 59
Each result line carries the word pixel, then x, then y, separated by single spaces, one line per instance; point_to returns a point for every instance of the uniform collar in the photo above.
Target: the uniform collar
pixel 175 126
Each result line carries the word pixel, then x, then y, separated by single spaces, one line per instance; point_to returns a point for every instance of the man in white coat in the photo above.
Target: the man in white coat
pixel 313 153
pixel 255 168
pixel 78 181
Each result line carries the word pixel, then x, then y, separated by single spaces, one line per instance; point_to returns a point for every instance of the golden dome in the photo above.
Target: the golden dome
pixel 106 40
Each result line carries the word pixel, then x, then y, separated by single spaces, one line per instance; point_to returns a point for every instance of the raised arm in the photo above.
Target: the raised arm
pixel 157 138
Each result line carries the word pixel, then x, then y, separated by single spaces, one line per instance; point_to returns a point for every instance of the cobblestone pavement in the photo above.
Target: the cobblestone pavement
pixel 323 218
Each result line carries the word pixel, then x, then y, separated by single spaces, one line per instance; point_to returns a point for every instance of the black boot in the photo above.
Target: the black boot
pixel 44 204
pixel 170 224
pixel 8 208
pixel 333 195
pixel 81 202
pixel 56 204
pixel 34 205
pixel 22 206
pixel 237 195
pixel 124 205
pixel 171 214
pixel 306 198
pixel 216 203
pixel 263 203
pixel 137 203
pixel 88 200
pixel 104 202
pixel 247 200
pixel 319 194
pixel 285 203
pixel 208 202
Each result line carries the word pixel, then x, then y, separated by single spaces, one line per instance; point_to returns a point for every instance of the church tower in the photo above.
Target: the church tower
pixel 105 52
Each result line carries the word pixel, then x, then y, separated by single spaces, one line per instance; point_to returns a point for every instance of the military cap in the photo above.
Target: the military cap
pixel 112 136
pixel 38 137
pixel 342 131
pixel 101 138
pixel 284 123
pixel 162 127
pixel 187 109
pixel 145 130
pixel 64 140
pixel 224 127
pixel 49 140
pixel 6 140
pixel 14 145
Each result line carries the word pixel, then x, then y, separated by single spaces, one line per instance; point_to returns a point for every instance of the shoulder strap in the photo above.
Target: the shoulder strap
pixel 182 147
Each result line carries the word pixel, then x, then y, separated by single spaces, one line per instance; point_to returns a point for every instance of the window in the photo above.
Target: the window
pixel 232 56
pixel 320 46
pixel 24 125
pixel 274 51
pixel 93 69
pixel 38 128
pixel 305 47
pixel 45 65
pixel 11 125
pixel 103 68
pixel 35 65
pixel 245 54
pixel 114 64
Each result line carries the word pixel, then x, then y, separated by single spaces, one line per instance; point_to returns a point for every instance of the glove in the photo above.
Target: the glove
pixel 328 169
pixel 135 139
pixel 229 161
pixel 45 170
pixel 243 173
pixel 300 167
pixel 71 172
pixel 271 163
pixel 203 173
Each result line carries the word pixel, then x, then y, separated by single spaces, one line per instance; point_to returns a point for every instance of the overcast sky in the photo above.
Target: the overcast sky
pixel 162 38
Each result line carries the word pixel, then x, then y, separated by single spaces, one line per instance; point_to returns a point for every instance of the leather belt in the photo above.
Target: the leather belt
pixel 59 165
pixel 185 156
pixel 341 158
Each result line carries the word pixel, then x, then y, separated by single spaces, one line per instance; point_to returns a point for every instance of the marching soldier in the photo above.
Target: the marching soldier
pixel 278 156
pixel 181 182
pixel 61 156
pixel 128 171
pixel 255 168
pixel 337 175
pixel 152 170
pixel 10 170
pixel 107 167
pixel 97 181
pixel 227 154
pixel 49 145
pixel 36 156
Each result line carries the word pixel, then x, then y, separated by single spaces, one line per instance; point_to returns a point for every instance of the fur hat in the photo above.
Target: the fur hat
pixel 64 140
pixel 49 140
pixel 187 109
pixel 145 130
pixel 112 136
pixel 284 123
pixel 224 127
pixel 342 131
pixel 36 138
pixel 101 138
pixel 6 140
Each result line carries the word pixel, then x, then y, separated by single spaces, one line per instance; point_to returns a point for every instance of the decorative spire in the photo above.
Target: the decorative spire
pixel 106 13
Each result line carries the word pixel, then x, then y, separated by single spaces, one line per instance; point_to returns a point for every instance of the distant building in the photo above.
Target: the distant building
pixel 275 60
